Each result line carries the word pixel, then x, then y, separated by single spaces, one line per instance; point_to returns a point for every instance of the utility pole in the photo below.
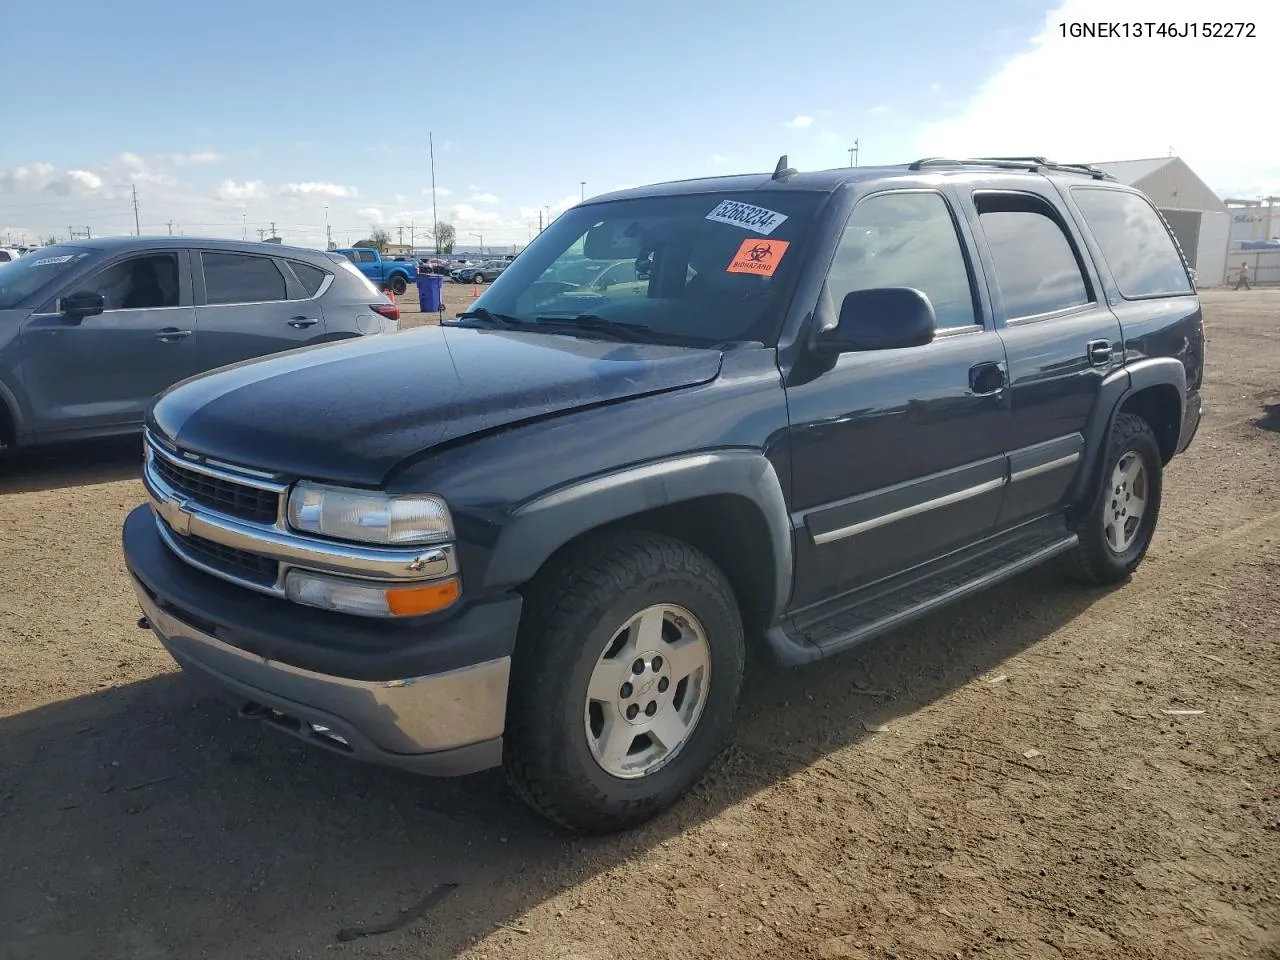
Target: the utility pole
pixel 539 221
pixel 411 237
pixel 262 234
pixel 583 184
pixel 435 224
pixel 137 228
pixel 328 234
pixel 171 228
pixel 401 229
pixel 273 229
pixel 244 226
pixel 853 154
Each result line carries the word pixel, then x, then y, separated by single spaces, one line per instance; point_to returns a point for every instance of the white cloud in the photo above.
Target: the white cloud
pixel 249 190
pixel 483 198
pixel 131 160
pixel 399 198
pixel 555 209
pixel 1160 93
pixel 440 192
pixel 371 213
pixel 199 157
pixel 467 215
pixel 317 190
pixel 935 87
pixel 32 178
pixel 799 123
pixel 880 109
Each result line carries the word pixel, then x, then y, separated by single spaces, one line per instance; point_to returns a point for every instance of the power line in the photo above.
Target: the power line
pixel 137 227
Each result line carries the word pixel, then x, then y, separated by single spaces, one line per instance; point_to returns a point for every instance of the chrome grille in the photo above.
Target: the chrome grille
pixel 216 492
pixel 238 564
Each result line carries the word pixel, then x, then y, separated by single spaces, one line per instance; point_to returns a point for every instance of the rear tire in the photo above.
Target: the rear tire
pixel 1112 540
pixel 398 285
pixel 478 278
pixel 656 621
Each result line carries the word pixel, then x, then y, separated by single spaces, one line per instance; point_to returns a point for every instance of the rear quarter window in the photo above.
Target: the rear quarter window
pixel 1137 247
pixel 310 277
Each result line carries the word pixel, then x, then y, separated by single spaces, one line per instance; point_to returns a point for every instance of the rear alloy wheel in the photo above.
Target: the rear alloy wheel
pixel 1117 532
pixel 477 278
pixel 398 285
pixel 624 683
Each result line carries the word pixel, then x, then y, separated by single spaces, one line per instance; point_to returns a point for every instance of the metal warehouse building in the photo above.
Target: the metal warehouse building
pixel 1196 215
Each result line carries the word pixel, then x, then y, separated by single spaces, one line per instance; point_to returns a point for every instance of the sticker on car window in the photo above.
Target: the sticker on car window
pixel 759 257
pixel 744 215
pixel 49 260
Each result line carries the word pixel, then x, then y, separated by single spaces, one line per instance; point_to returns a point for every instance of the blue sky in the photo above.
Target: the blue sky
pixel 230 115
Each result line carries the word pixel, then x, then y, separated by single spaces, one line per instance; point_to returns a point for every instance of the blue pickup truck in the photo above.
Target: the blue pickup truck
pixel 395 275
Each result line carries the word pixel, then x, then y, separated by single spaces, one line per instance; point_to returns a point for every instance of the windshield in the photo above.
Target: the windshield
pixel 692 269
pixel 27 276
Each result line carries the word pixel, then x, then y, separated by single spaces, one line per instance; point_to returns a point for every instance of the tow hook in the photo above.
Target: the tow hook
pixel 144 623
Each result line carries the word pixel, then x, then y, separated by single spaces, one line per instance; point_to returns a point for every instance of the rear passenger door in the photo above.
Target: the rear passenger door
pixel 250 305
pixel 1060 336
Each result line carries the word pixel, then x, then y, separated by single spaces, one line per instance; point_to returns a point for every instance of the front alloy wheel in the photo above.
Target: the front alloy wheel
pixel 647 691
pixel 624 680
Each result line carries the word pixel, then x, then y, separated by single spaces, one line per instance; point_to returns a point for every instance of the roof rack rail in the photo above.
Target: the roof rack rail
pixel 1031 164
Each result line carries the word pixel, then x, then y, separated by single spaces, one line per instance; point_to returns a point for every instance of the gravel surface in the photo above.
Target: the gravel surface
pixel 1058 772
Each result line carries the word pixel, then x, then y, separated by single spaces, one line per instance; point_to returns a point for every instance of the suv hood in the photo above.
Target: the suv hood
pixel 350 412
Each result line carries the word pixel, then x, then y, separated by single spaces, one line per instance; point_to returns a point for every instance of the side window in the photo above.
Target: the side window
pixel 1134 242
pixel 905 240
pixel 1035 264
pixel 139 283
pixel 240 278
pixel 351 255
pixel 4 256
pixel 367 256
pixel 310 277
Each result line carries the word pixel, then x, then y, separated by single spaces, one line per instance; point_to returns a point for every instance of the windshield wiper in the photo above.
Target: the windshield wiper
pixel 503 320
pixel 630 332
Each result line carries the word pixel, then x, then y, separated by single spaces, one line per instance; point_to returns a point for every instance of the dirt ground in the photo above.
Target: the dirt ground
pixel 1062 773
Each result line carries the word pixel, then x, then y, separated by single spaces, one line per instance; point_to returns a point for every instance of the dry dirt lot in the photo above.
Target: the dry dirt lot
pixel 1038 790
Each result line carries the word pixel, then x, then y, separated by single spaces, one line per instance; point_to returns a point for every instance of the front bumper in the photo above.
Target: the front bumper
pixel 430 698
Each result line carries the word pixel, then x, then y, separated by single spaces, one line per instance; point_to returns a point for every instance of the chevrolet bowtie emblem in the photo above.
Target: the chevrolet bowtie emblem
pixel 178 517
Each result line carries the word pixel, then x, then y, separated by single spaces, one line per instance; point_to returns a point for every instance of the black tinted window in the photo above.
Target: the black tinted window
pixel 310 277
pixel 239 278
pixel 366 256
pixel 138 283
pixel 1134 242
pixel 1036 267
pixel 905 240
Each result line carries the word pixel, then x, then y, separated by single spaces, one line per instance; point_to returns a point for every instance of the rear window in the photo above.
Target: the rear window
pixel 240 278
pixel 310 277
pixel 1135 244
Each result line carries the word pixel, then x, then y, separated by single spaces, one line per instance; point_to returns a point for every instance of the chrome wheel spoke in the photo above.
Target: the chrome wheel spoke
pixel 667 730
pixel 606 680
pixel 646 631
pixel 615 742
pixel 686 657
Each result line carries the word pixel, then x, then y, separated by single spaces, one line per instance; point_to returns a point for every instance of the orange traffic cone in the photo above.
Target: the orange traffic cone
pixel 391 294
pixel 475 291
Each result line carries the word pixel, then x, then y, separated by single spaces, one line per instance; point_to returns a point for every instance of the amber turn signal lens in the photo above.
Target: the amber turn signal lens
pixel 417 601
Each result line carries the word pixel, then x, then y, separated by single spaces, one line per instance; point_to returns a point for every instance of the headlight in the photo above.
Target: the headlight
pixel 370 598
pixel 368 516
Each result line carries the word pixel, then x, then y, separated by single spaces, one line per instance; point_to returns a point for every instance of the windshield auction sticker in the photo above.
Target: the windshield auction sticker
pixel 744 215
pixel 760 257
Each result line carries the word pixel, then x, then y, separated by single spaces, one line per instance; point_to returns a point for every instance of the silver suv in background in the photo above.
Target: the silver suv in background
pixel 91 331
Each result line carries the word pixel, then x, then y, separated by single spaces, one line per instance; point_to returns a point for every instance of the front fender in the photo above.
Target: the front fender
pixel 543 525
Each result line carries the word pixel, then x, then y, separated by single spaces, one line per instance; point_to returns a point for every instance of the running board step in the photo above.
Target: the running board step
pixel 838 625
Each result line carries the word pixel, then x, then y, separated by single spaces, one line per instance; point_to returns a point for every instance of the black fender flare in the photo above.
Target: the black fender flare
pixel 543 525
pixel 1115 390
pixel 9 403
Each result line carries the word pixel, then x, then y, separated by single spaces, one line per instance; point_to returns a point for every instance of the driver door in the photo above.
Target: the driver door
pixel 100 375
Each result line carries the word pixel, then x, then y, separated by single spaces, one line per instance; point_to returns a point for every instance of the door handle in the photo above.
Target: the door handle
pixel 1099 352
pixel 301 323
pixel 987 379
pixel 172 334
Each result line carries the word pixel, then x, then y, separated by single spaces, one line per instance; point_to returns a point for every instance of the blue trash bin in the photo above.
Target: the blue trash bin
pixel 430 293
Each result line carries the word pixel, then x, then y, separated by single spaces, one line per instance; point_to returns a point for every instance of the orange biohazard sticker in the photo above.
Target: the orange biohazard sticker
pixel 758 256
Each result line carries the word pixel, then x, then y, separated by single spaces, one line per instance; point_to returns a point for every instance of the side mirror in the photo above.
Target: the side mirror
pixel 887 318
pixel 74 307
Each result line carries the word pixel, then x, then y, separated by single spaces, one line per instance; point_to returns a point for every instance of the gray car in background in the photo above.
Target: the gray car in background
pixel 91 331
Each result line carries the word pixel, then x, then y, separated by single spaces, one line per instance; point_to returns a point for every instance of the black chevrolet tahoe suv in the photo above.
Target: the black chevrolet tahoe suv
pixel 805 409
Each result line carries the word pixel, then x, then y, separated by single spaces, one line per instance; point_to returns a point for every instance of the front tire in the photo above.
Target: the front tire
pixel 1116 533
pixel 624 683
pixel 478 278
